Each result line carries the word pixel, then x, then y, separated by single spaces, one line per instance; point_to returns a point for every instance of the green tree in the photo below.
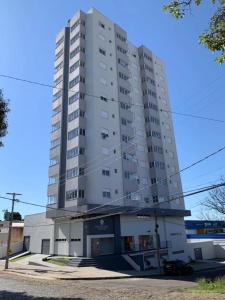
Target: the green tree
pixel 16 216
pixel 214 37
pixel 4 109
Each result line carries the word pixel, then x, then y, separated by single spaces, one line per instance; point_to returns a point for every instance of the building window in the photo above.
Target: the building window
pixel 75 132
pixel 155 199
pixel 153 134
pixel 106 172
pixel 122 62
pixel 125 138
pixel 157 164
pixel 75 152
pixel 146 67
pixel 125 122
pixel 75 66
pixel 153 180
pixel 58 80
pixel 103 52
pixel 53 180
pixel 104 133
pixel 106 194
pixel 70 195
pixel 128 243
pixel 146 242
pixel 127 175
pixel 76 80
pixel 124 106
pixel 56 110
pixel 103 98
pixel 76 24
pixel 76 37
pixel 52 199
pixel 76 51
pixel 59 67
pixel 59 42
pixel 123 76
pixel 54 161
pixel 156 149
pixel 55 143
pixel 76 97
pixel 120 37
pixel 59 54
pixel 75 114
pixel 124 90
pixel 75 172
pixel 122 50
pixel 55 126
pixel 101 24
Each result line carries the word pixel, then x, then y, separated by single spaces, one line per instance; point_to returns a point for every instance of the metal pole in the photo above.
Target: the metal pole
pixel 157 241
pixel 10 229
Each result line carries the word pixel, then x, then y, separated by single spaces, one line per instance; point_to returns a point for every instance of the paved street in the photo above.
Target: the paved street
pixel 19 288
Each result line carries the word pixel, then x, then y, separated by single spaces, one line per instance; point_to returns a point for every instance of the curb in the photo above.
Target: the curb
pixel 27 275
pixel 79 278
pixel 107 278
pixel 210 269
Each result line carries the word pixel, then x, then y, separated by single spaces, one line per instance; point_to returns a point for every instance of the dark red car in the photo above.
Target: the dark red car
pixel 177 267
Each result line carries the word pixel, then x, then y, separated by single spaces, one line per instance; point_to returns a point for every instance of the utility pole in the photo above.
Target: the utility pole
pixel 10 229
pixel 157 237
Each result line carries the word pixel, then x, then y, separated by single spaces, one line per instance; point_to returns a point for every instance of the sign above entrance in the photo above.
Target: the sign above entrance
pixel 100 226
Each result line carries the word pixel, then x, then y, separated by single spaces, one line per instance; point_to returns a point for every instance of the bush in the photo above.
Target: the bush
pixel 217 285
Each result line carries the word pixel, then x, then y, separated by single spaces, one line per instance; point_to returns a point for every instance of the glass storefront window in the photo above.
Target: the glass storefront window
pixel 146 242
pixel 128 243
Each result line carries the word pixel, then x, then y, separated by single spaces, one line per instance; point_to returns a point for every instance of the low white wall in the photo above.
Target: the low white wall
pixel 15 248
pixel 38 227
pixel 208 249
pixel 219 249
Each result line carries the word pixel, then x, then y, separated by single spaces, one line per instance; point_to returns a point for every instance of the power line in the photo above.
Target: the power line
pixel 99 166
pixel 164 179
pixel 209 84
pixel 109 99
pixel 157 183
pixel 207 188
pixel 200 160
pixel 193 116
pixel 145 186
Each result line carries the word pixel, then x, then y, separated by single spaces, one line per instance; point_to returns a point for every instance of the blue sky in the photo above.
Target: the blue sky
pixel 196 85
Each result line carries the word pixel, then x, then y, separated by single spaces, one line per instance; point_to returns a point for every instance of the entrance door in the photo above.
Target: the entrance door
pixel 26 243
pixel 45 246
pixel 102 246
pixel 198 253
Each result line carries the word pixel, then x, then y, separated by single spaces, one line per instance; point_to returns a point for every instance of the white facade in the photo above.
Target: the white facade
pixel 112 115
pixel 112 148
pixel 209 249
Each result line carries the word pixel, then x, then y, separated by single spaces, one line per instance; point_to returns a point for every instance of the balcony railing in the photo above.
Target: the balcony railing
pixel 151 247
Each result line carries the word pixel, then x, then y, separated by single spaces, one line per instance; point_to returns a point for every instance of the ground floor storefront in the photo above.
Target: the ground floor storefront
pixel 114 235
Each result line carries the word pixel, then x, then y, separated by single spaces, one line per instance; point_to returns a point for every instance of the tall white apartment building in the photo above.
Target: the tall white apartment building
pixel 113 149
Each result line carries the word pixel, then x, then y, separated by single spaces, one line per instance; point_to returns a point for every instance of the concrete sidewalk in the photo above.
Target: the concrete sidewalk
pixel 202 265
pixel 34 267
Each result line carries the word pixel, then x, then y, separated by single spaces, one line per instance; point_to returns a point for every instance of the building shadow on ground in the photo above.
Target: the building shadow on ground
pixel 6 295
